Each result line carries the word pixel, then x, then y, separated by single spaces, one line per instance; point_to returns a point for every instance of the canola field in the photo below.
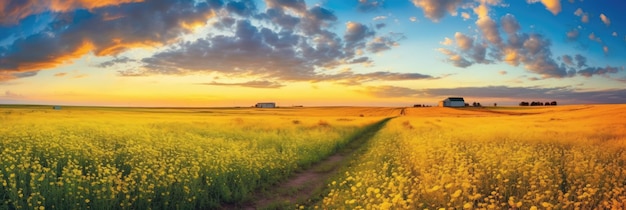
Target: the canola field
pixel 116 158
pixel 564 157
pixel 569 157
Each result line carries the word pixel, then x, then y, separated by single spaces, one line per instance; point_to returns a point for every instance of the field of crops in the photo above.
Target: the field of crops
pixel 563 158
pixel 566 157
pixel 107 158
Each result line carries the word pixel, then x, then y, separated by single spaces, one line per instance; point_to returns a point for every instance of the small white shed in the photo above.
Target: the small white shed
pixel 453 102
pixel 265 105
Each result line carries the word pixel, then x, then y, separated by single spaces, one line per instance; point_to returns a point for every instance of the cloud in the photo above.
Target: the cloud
pixel 503 72
pixel 592 36
pixel 250 84
pixel 380 25
pixel 436 9
pixel 455 58
pixel 389 91
pixel 269 53
pixel 605 20
pixel 489 29
pixel 377 18
pixel 572 34
pixel 75 33
pixel 368 5
pixel 115 60
pixel 533 51
pixel 584 17
pixel 591 71
pixel 463 42
pixel 60 74
pixel 465 15
pixel 446 41
pixel 413 19
pixel 605 49
pixel 12 11
pixel 356 34
pixel 380 44
pixel 568 60
pixel 553 6
pixel 509 24
pixel 581 61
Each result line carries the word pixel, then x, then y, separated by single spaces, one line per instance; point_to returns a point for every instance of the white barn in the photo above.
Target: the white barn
pixel 265 105
pixel 452 102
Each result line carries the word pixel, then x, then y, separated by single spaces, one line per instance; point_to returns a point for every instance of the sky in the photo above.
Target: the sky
pixel 198 53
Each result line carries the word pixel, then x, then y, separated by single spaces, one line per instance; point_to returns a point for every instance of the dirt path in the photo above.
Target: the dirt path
pixel 304 185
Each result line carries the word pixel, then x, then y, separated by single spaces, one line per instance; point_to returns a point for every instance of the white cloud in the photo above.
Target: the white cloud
pixel 413 19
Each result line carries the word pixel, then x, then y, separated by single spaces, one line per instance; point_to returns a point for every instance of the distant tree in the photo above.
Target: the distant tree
pixel 478 104
pixel 474 104
pixel 495 104
pixel 523 103
pixel 553 103
pixel 547 103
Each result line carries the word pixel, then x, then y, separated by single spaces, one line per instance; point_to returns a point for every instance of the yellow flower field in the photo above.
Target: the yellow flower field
pixel 565 157
pixel 116 158
pixel 569 157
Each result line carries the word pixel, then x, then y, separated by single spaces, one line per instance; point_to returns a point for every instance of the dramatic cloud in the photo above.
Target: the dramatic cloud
pixel 12 11
pixel 436 9
pixel 605 20
pixel 553 6
pixel 74 34
pixel 251 84
pixel 530 50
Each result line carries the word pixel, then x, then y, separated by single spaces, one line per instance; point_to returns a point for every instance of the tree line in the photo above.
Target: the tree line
pixel 537 103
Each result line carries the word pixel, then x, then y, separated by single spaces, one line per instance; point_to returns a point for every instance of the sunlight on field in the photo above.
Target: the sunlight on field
pixel 111 158
pixel 568 157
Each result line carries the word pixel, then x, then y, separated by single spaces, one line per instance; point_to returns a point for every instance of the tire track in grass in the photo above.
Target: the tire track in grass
pixel 303 186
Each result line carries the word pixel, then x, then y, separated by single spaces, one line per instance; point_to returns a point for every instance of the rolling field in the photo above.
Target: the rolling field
pixel 564 157
pixel 569 157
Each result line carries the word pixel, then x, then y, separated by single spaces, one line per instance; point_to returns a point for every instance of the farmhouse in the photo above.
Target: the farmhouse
pixel 265 105
pixel 56 107
pixel 452 102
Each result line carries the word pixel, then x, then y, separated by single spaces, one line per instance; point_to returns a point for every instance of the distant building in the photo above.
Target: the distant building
pixel 452 102
pixel 56 107
pixel 265 105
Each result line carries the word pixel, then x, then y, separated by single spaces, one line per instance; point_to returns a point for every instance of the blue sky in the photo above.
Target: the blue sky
pixel 295 52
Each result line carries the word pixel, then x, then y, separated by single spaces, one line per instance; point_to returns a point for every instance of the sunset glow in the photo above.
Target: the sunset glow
pixel 311 53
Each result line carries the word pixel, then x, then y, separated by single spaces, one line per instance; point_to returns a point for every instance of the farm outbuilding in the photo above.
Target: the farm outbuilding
pixel 265 105
pixel 452 102
pixel 56 107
